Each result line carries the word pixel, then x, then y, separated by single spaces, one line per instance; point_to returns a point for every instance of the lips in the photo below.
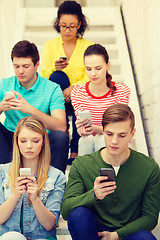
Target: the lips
pixel 29 152
pixel 114 148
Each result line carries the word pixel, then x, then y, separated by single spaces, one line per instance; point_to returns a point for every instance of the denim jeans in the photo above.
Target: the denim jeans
pixel 59 143
pixel 62 79
pixel 83 225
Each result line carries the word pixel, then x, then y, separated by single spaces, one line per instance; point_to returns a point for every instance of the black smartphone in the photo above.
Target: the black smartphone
pixel 109 172
pixel 64 58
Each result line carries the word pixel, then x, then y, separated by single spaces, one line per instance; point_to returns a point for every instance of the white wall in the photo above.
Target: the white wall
pixel 142 21
pixel 10 20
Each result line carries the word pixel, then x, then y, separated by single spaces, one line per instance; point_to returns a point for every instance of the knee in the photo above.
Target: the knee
pixel 144 235
pixel 89 140
pixel 59 137
pixel 79 214
pixel 60 78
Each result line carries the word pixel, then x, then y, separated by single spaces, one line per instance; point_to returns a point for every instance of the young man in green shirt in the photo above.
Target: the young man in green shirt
pixel 126 208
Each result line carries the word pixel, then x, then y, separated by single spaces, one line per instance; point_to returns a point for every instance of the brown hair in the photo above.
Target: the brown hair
pixel 118 113
pixel 25 49
pixel 97 49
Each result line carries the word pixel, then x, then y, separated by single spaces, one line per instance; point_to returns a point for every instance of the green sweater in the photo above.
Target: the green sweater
pixel 134 205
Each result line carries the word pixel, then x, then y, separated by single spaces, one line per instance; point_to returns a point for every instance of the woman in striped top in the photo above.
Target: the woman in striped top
pixel 96 95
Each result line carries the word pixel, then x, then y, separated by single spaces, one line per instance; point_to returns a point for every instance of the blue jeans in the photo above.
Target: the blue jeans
pixel 59 143
pixel 62 79
pixel 83 225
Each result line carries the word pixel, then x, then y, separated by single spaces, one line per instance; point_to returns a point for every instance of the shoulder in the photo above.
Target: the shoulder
pixel 122 87
pixel 84 42
pixel 144 161
pixel 82 163
pixel 52 41
pixel 8 80
pixel 44 82
pixel 4 169
pixel 79 87
pixel 55 174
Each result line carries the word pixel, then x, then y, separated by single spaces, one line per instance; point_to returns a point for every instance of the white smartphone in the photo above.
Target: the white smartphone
pixel 10 94
pixel 25 172
pixel 84 114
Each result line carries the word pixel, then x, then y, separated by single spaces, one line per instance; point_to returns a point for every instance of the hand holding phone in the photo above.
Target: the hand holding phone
pixel 109 172
pixel 63 58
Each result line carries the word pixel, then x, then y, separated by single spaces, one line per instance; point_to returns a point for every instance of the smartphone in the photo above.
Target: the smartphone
pixel 64 58
pixel 84 114
pixel 109 172
pixel 10 94
pixel 25 172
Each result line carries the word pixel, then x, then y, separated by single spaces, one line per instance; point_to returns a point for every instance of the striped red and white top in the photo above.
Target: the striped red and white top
pixel 82 99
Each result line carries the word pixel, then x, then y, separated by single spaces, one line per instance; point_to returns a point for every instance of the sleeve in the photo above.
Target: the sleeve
pixel 75 194
pixel 57 99
pixel 56 196
pixel 48 62
pixel 2 197
pixel 1 91
pixel 150 208
pixel 75 100
pixel 124 94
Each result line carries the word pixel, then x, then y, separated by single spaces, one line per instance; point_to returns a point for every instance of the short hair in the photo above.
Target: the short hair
pixel 44 155
pixel 118 113
pixel 98 49
pixel 73 8
pixel 25 49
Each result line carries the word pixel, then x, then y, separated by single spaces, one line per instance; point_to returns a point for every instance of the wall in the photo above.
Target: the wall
pixel 142 23
pixel 9 27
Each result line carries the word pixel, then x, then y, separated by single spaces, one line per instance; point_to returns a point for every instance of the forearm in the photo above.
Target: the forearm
pixel 70 202
pixel 51 123
pixel 7 208
pixel 1 108
pixel 44 216
pixel 98 129
pixel 143 223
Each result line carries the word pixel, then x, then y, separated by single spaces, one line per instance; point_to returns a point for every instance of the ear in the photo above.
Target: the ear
pixel 133 133
pixel 108 65
pixel 79 25
pixel 37 65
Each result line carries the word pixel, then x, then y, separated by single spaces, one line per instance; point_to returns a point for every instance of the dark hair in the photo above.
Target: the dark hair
pixel 25 49
pixel 118 113
pixel 97 49
pixel 73 8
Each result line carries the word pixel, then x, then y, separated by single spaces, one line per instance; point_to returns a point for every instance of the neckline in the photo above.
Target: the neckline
pixel 100 97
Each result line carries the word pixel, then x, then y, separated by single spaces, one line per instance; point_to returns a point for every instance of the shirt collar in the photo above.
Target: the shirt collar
pixel 34 87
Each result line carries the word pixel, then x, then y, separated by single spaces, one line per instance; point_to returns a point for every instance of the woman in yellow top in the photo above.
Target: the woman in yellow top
pixel 63 57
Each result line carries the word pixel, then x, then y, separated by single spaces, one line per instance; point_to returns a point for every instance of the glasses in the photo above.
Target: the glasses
pixel 72 28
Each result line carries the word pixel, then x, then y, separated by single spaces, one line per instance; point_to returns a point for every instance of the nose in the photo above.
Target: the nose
pixel 93 72
pixel 114 140
pixel 21 70
pixel 29 145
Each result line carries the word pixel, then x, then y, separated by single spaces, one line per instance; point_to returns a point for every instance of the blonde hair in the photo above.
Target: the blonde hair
pixel 44 156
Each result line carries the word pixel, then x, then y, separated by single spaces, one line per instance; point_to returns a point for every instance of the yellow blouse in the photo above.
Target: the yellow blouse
pixel 53 50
